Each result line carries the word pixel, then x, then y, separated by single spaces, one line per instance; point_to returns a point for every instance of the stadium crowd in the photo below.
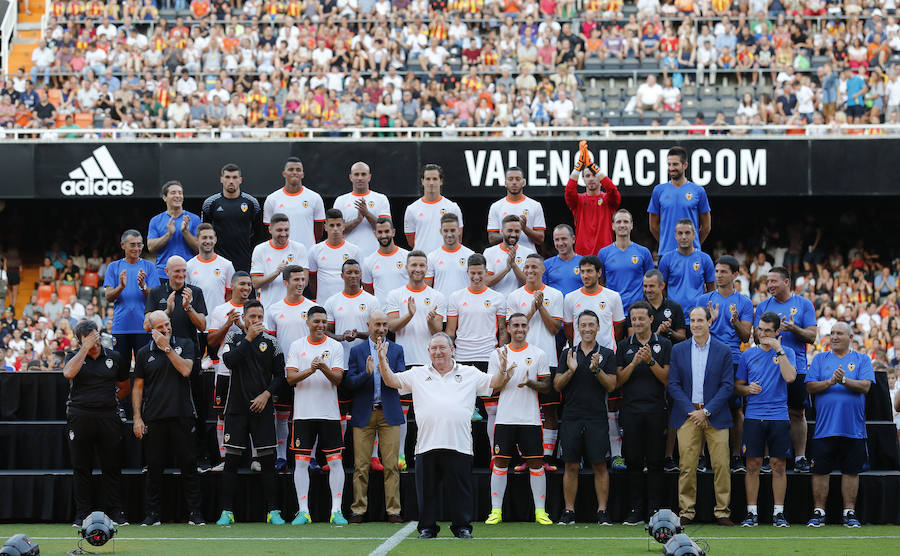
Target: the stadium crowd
pixel 512 65
pixel 326 334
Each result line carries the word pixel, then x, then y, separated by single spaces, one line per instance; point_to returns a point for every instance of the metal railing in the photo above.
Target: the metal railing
pixel 7 32
pixel 728 132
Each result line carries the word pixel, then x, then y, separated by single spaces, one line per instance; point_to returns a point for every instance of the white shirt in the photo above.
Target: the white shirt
pixel 315 397
pixel 216 320
pixel 449 268
pixel 326 261
pixel 805 98
pixel 363 235
pixel 477 314
pixel 43 57
pixel 266 258
pixel 350 313
pixel 608 306
pixel 423 221
pixel 531 209
pixel 303 209
pixel 414 337
pixel 649 94
pixel 520 301
pixel 212 276
pixel 497 256
pixel 444 405
pixel 385 272
pixel 287 321
pixel 825 325
pixel 520 406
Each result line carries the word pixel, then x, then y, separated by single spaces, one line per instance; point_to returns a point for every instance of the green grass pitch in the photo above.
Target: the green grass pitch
pixel 250 539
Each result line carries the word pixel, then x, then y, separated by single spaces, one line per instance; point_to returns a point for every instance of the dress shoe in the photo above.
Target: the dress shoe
pixel 395 518
pixel 725 522
pixel 355 518
pixel 427 534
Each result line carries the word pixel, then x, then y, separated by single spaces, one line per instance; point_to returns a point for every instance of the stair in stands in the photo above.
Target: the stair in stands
pixel 28 33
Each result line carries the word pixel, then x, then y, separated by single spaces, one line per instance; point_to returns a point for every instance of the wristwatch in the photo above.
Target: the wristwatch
pixel 779 353
pixel 651 363
pixel 844 379
pixel 168 349
pixel 706 412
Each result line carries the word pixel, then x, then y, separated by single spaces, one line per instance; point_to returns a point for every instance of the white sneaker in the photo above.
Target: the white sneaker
pixel 219 468
pixel 206 363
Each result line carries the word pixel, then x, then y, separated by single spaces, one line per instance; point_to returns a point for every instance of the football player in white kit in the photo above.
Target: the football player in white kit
pixel 421 222
pixel 302 205
pixel 447 265
pixel 361 208
pixel 529 211
pixel 271 257
pixel 384 269
pixel 505 260
pixel 327 257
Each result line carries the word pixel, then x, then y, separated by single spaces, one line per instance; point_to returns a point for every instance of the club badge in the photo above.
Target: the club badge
pixel 263 346
pixel 244 207
pixel 109 363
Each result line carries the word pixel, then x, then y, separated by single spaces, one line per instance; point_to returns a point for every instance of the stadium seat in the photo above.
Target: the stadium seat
pixel 91 279
pixel 55 97
pixel 85 293
pixel 65 290
pixel 689 91
pixel 43 293
pixel 84 120
pixel 727 91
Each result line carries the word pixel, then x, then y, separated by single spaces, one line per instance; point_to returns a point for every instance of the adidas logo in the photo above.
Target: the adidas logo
pixel 97 175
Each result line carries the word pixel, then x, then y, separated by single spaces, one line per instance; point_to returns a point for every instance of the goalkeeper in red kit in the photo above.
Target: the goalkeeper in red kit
pixel 593 209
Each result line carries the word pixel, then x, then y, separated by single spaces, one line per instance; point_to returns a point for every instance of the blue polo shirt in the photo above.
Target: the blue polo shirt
pixel 686 277
pixel 176 245
pixel 674 203
pixel 563 275
pixel 804 316
pixel 624 270
pixel 721 328
pixel 758 365
pixel 839 410
pixel 128 313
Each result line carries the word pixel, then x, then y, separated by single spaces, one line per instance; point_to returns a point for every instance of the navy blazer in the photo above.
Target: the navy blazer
pixel 362 385
pixel 718 383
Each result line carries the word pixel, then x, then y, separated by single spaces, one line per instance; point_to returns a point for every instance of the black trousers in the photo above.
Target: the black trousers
pixel 103 434
pixel 644 443
pixel 454 469
pixel 163 435
pixel 200 396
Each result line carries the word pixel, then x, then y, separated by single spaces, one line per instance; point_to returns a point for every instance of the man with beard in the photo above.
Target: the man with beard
pixel 385 269
pixel 447 270
pixel 303 206
pixel 270 258
pixel 516 203
pixel 234 216
pixel 676 199
pixel 505 260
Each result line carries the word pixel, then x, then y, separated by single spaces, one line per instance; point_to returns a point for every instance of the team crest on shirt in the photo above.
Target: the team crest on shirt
pixel 602 305
pixel 732 308
pixel 458 378
pixel 599 358
pixel 362 307
pixel 244 207
pixel 399 265
pixel 371 204
pixel 297 443
pixel 688 196
pixel 657 348
pixel 525 212
pixel 109 363
pixel 226 438
pixel 71 434
pixel 635 259
pixel 496 448
pixel 326 354
pixel 427 301
pixel 599 202
pixel 519 260
pixel 462 261
pixel 546 302
pixel 178 350
pixel 443 212
pixel 303 315
pixel 696 265
pixel 667 313
pixel 263 346
pixel 529 361
pixel 217 272
pixel 851 366
pixel 306 204
pixel 345 256
pixel 576 270
pixel 487 303
pixel 290 257
pixel 793 311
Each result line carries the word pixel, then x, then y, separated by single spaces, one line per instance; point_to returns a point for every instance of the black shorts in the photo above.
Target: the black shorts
pixel 855 111
pixel 584 439
pixel 306 431
pixel 839 452
pixel 760 433
pixel 220 391
pixel 283 397
pixel 13 277
pixel 798 397
pixel 258 426
pixel 552 397
pixel 735 401
pixel 529 439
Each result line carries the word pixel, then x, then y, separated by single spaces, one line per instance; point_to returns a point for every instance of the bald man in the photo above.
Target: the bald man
pixel 376 410
pixel 361 207
pixel 185 307
pixel 164 414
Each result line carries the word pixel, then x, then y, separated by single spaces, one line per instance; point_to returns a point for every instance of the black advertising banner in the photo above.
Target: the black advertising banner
pixel 474 168
pixel 85 170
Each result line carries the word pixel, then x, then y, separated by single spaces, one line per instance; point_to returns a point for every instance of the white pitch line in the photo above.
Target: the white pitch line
pixel 394 539
pixel 413 524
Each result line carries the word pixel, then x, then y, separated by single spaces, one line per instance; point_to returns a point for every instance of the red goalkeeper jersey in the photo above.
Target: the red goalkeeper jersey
pixel 593 216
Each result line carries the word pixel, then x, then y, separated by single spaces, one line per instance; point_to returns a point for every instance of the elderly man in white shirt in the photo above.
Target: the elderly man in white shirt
pixel 42 59
pixel 444 395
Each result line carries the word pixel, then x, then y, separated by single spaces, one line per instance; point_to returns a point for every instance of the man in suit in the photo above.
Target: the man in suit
pixel 376 409
pixel 701 380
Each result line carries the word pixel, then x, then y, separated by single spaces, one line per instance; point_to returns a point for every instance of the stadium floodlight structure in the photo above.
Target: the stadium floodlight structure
pixel 664 525
pixel 20 545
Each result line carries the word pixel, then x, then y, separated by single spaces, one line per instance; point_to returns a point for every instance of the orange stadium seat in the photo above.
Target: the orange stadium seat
pixel 65 290
pixel 43 292
pixel 91 279
pixel 55 97
pixel 84 120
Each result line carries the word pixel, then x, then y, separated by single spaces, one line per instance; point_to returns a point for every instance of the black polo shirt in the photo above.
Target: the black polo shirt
pixel 667 310
pixel 93 390
pixel 256 366
pixel 643 393
pixel 584 398
pixel 235 221
pixel 182 327
pixel 167 393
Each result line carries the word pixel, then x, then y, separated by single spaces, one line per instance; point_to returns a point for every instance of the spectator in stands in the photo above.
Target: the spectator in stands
pixel 53 308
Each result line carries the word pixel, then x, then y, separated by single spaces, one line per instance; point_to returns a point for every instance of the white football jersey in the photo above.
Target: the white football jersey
pixel 315 397
pixel 520 301
pixel 303 210
pixel 350 313
pixel 212 276
pixel 363 235
pixel 448 268
pixel 266 258
pixel 520 406
pixel 326 261
pixel 608 306
pixel 385 272
pixel 216 320
pixel 528 207
pixel 496 262
pixel 414 337
pixel 477 314
pixel 287 321
pixel 423 220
